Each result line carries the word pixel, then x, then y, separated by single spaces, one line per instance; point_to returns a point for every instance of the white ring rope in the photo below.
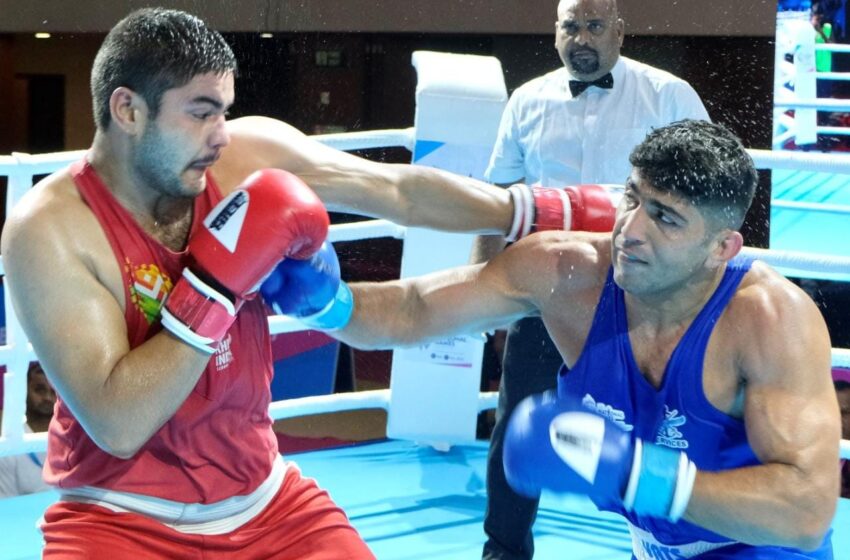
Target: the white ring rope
pixel 813 103
pixel 337 402
pixel 832 47
pixel 841 357
pixel 801 161
pixel 800 263
pixel 368 139
pixel 817 207
pixel 835 76
pixel 833 130
pixel 20 168
pixel 370 229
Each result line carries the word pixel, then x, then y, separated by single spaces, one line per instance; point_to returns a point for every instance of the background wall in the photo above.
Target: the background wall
pixel 374 83
pixel 370 83
pixel 643 17
pixel 724 49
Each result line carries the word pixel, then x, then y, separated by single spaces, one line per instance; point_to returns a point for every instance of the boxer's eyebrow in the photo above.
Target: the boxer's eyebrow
pixel 654 202
pixel 210 100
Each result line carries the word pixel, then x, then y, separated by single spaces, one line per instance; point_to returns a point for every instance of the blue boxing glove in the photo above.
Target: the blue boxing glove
pixel 310 290
pixel 559 445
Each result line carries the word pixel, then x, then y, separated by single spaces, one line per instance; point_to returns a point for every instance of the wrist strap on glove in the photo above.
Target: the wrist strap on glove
pixel 660 482
pixel 335 314
pixel 197 313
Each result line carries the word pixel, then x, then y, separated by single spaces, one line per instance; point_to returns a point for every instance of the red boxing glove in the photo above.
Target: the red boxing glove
pixel 272 215
pixel 579 208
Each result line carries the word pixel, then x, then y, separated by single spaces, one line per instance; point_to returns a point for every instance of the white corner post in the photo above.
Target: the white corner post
pixel 435 387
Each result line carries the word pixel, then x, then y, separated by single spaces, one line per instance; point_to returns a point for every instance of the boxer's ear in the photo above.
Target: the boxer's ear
pixel 727 244
pixel 128 110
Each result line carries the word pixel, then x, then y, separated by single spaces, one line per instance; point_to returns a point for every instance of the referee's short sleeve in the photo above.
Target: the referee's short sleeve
pixel 507 161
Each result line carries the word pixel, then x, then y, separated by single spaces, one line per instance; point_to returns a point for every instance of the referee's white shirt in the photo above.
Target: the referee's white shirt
pixel 552 139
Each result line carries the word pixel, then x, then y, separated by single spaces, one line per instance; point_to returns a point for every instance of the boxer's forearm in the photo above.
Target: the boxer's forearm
pixel 426 308
pixel 406 194
pixel 412 196
pixel 447 201
pixel 380 318
pixel 772 504
pixel 141 394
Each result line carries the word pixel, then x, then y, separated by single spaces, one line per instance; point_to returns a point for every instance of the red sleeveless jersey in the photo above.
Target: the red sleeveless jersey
pixel 219 443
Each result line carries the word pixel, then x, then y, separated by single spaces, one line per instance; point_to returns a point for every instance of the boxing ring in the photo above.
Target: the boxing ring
pixel 808 204
pixel 421 492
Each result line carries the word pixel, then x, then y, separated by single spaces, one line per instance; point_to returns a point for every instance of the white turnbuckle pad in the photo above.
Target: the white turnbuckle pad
pixel 434 388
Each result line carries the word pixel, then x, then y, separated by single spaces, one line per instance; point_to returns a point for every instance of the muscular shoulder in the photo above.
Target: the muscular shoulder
pixel 53 244
pixel 48 212
pixel 767 298
pixel 777 319
pixel 51 229
pixel 251 131
pixel 258 143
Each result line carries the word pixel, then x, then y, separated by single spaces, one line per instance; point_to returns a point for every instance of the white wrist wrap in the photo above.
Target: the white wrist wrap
pixel 523 211
pixel 516 224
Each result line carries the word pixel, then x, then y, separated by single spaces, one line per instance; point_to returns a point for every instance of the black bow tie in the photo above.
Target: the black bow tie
pixel 605 82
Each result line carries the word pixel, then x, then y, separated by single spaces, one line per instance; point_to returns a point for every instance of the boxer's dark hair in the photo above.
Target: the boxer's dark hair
pixel 703 163
pixel 151 51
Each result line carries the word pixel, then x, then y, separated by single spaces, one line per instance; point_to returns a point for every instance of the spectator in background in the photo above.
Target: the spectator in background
pixel 841 379
pixel 823 59
pixel 574 125
pixel 21 474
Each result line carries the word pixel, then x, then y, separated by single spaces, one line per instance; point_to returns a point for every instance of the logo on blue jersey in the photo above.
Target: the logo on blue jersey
pixel 668 434
pixel 618 417
pixel 655 551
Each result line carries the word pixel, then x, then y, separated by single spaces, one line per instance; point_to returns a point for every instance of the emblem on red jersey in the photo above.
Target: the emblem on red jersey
pixel 148 288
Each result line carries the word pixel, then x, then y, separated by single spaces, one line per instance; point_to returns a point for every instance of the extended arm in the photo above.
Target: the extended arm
pixel 792 424
pixel 405 312
pixel 466 300
pixel 405 194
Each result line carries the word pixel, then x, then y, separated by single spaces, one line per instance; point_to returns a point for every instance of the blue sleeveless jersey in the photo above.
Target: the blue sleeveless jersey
pixel 606 379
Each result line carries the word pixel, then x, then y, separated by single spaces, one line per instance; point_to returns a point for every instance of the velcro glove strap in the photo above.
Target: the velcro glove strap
pixel 335 314
pixel 523 202
pixel 552 210
pixel 660 483
pixel 197 313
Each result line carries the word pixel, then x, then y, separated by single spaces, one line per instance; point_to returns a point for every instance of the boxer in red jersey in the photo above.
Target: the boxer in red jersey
pixel 162 446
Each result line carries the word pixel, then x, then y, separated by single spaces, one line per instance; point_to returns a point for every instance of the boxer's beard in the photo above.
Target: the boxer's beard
pixel 156 162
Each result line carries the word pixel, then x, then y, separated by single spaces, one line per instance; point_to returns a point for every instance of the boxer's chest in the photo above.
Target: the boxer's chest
pixel 653 351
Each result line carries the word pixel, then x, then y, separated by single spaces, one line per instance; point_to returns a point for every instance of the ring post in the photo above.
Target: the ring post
pixel 805 85
pixel 434 388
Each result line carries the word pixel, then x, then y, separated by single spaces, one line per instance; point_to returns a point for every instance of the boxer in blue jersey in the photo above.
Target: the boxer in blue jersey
pixel 696 397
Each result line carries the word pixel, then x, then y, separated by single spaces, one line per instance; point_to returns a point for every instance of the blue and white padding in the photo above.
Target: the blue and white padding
pixel 660 483
pixel 336 314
